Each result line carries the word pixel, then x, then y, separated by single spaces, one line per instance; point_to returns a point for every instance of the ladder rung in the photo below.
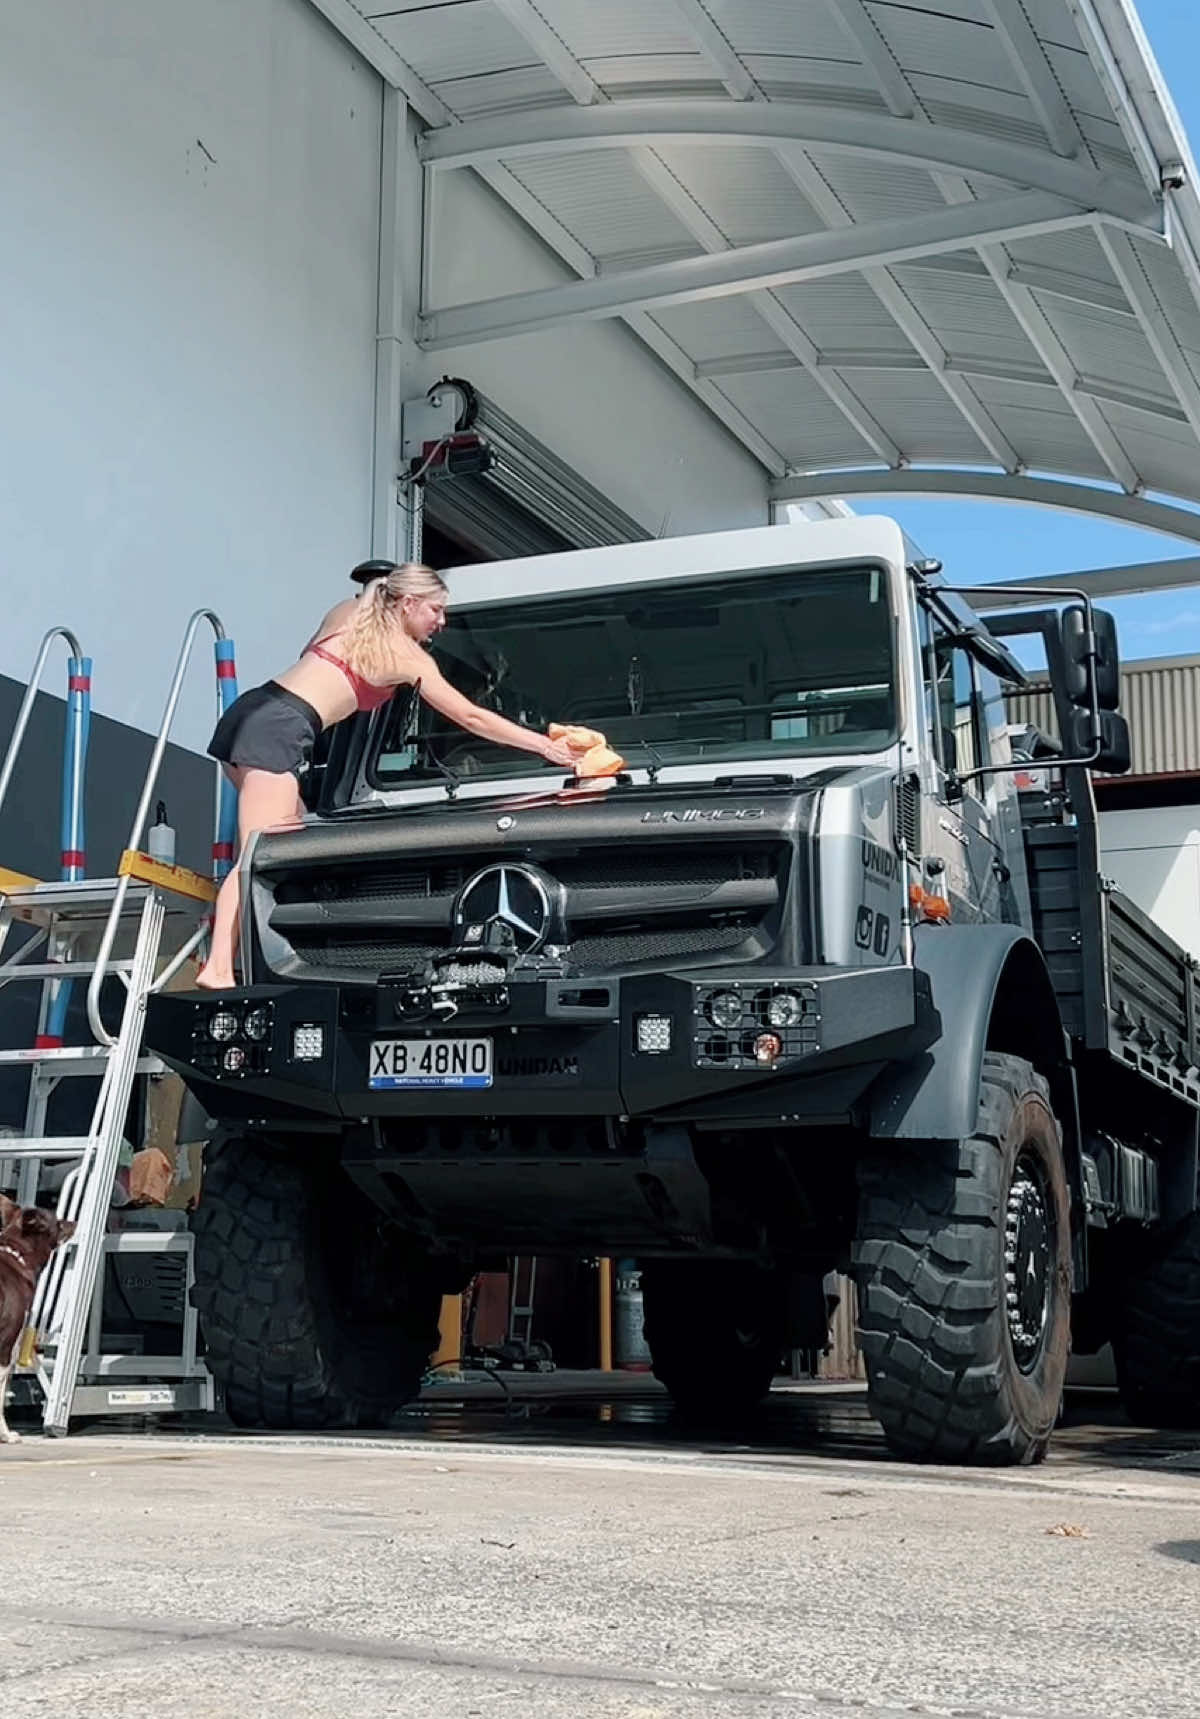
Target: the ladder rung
pixel 44 1146
pixel 89 898
pixel 87 1056
pixel 74 1059
pixel 59 970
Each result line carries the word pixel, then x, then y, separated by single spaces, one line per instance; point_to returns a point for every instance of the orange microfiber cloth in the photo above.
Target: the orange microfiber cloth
pixel 595 756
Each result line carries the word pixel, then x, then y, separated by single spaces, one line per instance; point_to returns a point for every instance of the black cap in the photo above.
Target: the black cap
pixel 368 570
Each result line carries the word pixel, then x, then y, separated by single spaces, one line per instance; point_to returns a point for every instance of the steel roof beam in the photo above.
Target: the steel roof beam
pixel 626 124
pixel 799 347
pixel 582 87
pixel 859 25
pixel 1022 372
pixel 905 315
pixel 360 32
pixel 577 80
pixel 902 101
pixel 779 262
pixel 1042 336
pixel 1063 494
pixel 736 77
pixel 555 235
pixel 1059 283
pixel 1028 59
pixel 1134 580
pixel 1160 337
pixel 717 50
pixel 1121 56
pixel 551 50
pixel 1025 50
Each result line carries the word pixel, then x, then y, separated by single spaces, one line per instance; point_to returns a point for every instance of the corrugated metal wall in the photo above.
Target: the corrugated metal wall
pixel 1160 700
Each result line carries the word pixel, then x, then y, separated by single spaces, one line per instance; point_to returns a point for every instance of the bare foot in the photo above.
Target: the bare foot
pixel 8 1436
pixel 207 979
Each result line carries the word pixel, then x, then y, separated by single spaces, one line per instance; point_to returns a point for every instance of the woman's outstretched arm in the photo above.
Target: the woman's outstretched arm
pixel 455 707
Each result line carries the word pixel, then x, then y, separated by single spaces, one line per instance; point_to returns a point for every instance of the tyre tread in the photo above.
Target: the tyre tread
pixel 928 1220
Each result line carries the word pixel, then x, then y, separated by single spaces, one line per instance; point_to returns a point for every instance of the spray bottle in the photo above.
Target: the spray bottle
pixel 161 845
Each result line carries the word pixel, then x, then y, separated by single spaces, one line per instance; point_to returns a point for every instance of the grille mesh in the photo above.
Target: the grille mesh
pixel 620 948
pixel 369 957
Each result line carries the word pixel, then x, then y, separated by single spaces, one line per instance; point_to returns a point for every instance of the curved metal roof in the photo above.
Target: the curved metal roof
pixel 904 245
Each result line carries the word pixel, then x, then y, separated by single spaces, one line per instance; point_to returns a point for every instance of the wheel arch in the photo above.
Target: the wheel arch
pixel 991 987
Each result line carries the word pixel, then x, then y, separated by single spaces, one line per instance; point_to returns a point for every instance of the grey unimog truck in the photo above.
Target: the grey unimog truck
pixel 816 984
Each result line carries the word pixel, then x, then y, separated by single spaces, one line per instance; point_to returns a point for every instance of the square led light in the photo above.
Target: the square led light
pixel 653 1034
pixel 308 1043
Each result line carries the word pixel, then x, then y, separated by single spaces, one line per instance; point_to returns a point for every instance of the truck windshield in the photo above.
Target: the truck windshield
pixel 751 667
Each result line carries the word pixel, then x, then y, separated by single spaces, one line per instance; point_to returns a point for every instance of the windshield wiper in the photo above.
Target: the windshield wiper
pixel 450 778
pixel 424 744
pixel 635 692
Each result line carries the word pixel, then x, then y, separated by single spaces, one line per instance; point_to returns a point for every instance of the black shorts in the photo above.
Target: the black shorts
pixel 267 728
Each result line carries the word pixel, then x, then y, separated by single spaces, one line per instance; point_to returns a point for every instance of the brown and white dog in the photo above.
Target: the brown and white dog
pixel 28 1236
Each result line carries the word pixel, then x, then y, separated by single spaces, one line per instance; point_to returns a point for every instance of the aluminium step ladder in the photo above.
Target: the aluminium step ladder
pixel 99 930
pixel 63 1342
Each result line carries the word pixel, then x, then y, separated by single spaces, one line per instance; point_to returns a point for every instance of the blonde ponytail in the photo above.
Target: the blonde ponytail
pixel 369 639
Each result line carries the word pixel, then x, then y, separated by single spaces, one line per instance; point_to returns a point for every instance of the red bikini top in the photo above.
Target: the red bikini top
pixel 368 696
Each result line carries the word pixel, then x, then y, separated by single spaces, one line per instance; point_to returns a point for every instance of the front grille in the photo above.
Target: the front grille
pixel 624 906
pixel 377 956
pixel 409 883
pixel 627 948
pixel 621 868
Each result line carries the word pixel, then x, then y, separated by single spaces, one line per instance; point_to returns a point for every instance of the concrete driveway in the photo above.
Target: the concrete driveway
pixel 598 1567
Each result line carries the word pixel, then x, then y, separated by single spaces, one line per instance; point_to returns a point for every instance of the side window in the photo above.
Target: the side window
pixel 952 700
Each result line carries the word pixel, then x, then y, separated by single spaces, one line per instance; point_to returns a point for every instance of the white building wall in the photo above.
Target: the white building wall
pixel 190 194
pixel 1153 854
pixel 190 202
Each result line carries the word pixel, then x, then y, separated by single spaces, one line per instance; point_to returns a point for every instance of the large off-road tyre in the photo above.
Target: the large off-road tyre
pixel 1156 1340
pixel 716 1331
pixel 314 1312
pixel 963 1267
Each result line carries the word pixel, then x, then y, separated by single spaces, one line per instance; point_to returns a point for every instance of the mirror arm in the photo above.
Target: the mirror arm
pixel 955 782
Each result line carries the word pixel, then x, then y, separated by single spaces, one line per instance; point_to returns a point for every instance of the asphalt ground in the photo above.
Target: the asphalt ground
pixel 565 1547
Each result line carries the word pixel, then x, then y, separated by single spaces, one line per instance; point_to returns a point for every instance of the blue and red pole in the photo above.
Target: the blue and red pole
pixel 226 842
pixel 73 844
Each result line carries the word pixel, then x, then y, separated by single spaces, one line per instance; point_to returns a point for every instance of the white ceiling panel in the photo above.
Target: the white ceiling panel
pixel 605 202
pixel 730 164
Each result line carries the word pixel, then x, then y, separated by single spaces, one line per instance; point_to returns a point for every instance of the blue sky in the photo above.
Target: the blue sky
pixel 982 541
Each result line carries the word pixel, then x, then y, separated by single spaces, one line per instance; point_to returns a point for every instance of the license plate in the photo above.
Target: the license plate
pixel 442 1063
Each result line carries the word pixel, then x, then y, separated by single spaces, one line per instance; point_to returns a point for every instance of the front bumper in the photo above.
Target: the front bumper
pixel 558 1047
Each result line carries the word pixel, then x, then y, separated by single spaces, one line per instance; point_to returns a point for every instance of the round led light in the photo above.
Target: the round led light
pixel 784 1009
pixel 767 1049
pixel 258 1023
pixel 223 1026
pixel 725 1010
pixel 234 1059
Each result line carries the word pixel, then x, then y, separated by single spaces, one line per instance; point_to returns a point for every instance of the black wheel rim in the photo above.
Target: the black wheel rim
pixel 1029 1247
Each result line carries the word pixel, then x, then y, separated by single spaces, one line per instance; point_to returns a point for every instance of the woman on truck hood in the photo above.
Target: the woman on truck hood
pixel 364 649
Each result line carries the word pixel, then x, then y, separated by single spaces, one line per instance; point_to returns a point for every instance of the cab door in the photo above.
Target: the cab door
pixel 962 848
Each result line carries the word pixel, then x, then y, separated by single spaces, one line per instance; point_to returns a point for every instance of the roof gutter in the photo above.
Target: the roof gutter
pixel 1124 61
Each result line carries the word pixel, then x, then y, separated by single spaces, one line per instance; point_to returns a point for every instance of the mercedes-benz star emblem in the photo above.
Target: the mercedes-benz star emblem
pixel 512 895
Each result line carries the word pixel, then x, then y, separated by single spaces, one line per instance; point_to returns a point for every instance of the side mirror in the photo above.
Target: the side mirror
pixel 1116 750
pixel 1075 658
